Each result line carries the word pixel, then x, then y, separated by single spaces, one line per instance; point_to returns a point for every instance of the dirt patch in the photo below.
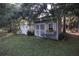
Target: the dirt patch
pixel 6 35
pixel 3 34
pixel 72 34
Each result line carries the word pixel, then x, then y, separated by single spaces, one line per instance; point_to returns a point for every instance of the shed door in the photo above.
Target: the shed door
pixel 40 30
pixel 37 30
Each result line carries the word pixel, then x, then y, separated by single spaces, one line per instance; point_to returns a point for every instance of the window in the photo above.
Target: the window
pixel 37 32
pixel 37 26
pixel 42 26
pixel 42 33
pixel 50 26
pixel 54 26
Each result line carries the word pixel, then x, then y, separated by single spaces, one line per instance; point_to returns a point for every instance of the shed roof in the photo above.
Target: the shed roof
pixel 44 19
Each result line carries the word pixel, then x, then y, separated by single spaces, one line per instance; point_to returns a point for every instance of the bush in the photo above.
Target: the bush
pixel 30 33
pixel 61 36
pixel 64 36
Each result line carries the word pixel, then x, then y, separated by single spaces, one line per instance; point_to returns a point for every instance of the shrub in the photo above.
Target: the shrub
pixel 30 33
pixel 61 36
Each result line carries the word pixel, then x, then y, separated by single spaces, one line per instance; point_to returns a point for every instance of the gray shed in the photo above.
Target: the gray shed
pixel 48 29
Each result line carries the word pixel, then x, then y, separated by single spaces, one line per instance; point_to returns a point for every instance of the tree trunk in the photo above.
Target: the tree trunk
pixel 64 25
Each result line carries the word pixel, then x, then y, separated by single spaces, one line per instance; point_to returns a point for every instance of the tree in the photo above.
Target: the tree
pixel 9 14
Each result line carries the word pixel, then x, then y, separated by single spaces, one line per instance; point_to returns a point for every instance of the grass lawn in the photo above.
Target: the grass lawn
pixel 30 45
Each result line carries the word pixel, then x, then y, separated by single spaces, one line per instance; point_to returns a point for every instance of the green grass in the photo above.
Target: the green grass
pixel 19 45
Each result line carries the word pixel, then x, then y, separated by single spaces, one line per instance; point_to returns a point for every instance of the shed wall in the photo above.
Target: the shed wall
pixel 51 35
